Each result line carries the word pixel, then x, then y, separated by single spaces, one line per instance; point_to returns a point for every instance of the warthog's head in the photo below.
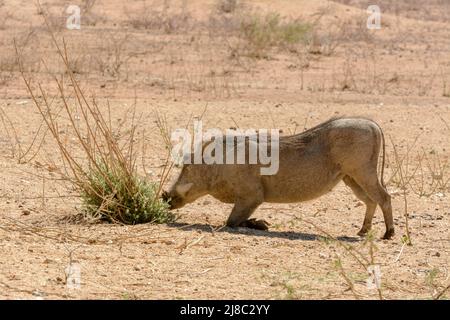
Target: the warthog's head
pixel 189 186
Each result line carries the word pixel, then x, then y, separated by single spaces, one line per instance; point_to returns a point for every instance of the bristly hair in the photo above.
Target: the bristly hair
pixel 309 134
pixel 321 125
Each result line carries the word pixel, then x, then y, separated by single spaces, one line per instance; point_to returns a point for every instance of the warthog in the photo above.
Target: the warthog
pixel 311 163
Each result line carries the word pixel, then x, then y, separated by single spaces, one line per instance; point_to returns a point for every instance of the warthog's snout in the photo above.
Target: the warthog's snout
pixel 166 198
pixel 173 200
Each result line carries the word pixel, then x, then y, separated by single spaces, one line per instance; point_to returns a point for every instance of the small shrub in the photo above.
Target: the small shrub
pixel 227 6
pixel 261 33
pixel 148 18
pixel 113 55
pixel 324 43
pixel 105 175
pixel 113 194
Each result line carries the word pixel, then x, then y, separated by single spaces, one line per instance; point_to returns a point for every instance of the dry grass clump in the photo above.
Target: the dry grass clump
pixel 227 6
pixel 424 173
pixel 105 175
pixel 262 32
pixel 112 192
pixel 163 19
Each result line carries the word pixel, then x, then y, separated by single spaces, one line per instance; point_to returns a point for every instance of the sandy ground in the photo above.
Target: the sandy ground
pixel 397 76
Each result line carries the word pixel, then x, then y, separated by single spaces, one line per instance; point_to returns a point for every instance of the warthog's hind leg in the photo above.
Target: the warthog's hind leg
pixel 371 205
pixel 370 184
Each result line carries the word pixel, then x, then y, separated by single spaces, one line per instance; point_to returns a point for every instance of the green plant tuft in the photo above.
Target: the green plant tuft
pixel 264 32
pixel 114 195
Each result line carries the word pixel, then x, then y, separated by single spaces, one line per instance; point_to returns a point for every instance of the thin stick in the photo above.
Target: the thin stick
pixel 439 295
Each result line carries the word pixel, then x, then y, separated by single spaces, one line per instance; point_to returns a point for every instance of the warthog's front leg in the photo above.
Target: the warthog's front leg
pixel 241 213
pixel 255 224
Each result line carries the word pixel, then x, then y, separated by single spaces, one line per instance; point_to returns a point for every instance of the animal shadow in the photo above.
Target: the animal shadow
pixel 289 235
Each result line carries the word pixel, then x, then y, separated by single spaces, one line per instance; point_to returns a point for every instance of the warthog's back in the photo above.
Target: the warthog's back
pixel 313 162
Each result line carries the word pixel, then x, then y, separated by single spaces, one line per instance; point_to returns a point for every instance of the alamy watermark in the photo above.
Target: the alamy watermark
pixel 374 280
pixel 374 19
pixel 73 276
pixel 231 147
pixel 73 22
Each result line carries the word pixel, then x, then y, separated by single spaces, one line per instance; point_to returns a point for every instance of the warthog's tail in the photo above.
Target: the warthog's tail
pixel 384 160
pixel 384 156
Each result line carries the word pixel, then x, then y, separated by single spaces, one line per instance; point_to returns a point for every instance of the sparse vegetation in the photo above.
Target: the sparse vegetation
pixel 263 32
pixel 114 55
pixel 423 172
pixel 149 18
pixel 227 6
pixel 121 196
pixel 106 178
pixel 135 72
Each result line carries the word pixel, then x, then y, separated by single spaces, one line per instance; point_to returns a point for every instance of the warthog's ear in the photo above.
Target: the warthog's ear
pixel 184 188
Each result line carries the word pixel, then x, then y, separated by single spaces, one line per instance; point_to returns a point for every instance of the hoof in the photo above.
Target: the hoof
pixel 362 232
pixel 389 234
pixel 255 224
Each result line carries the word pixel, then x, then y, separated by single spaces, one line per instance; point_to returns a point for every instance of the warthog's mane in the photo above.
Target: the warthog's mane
pixel 304 138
